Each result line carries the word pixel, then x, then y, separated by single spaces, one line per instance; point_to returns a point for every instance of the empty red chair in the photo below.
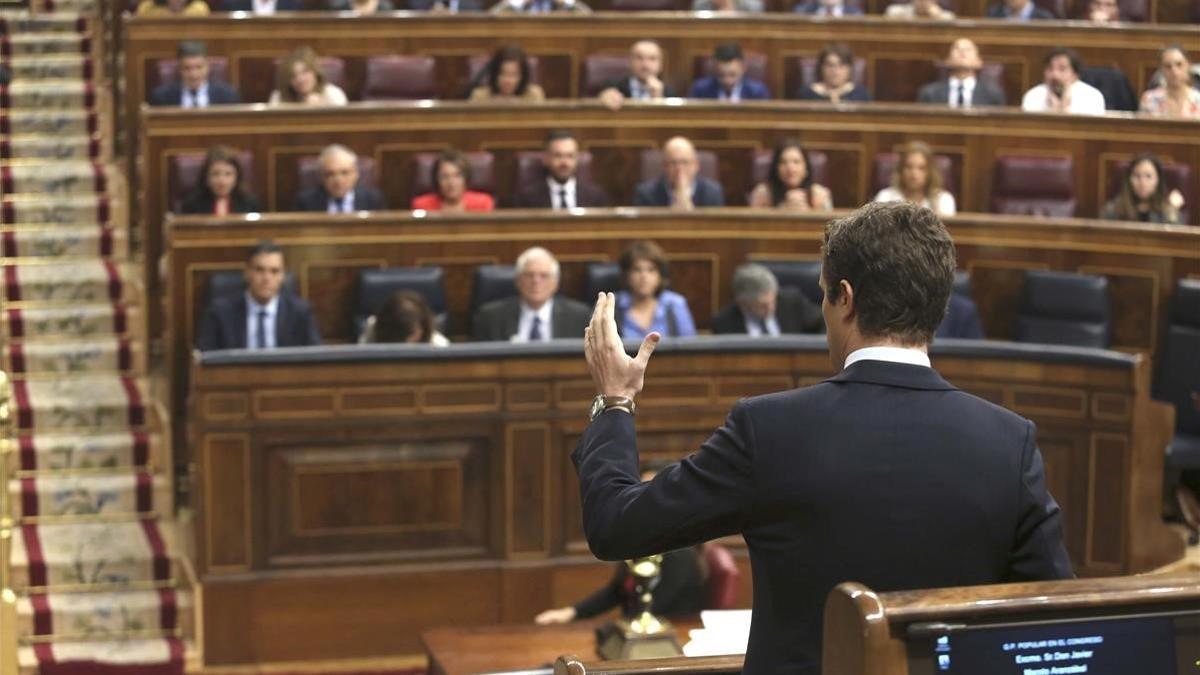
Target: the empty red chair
pixel 601 69
pixel 1034 186
pixel 308 170
pixel 167 70
pixel 482 177
pixel 397 78
pixel 756 66
pixel 183 173
pixel 652 165
pixel 885 165
pixel 721 587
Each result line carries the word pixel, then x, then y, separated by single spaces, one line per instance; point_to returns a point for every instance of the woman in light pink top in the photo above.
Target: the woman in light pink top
pixel 1176 97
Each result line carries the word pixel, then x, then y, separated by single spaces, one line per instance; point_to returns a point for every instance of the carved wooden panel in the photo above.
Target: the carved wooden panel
pixel 528 491
pixel 1109 457
pixel 227 484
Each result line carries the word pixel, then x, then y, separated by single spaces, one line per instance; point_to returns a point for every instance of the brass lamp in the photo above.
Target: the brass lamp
pixel 645 636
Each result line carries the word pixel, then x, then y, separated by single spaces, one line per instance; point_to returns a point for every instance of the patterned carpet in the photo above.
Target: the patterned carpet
pixel 91 581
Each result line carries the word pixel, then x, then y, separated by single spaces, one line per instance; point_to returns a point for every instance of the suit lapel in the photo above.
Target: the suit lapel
pixel 239 322
pixel 283 315
pixel 512 318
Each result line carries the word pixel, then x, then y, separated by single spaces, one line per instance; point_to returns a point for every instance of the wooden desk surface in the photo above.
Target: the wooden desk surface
pixel 482 649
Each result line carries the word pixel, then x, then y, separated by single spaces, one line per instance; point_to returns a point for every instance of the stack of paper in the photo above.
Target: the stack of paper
pixel 724 632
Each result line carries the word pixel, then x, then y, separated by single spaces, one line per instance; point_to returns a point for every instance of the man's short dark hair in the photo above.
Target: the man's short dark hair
pixel 263 247
pixel 191 48
pixel 559 135
pixel 730 51
pixel 1071 54
pixel 899 259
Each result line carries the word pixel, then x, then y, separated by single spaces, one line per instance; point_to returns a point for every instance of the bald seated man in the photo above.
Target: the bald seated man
pixel 962 88
pixel 681 186
pixel 644 82
pixel 534 314
pixel 339 191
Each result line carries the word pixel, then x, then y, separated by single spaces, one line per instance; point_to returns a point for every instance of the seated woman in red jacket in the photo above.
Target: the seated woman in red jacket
pixel 451 173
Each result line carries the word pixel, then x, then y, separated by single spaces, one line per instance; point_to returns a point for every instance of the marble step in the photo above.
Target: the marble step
pixel 55 148
pixel 48 95
pixel 105 654
pixel 87 496
pixel 104 615
pixel 51 454
pixel 25 23
pixel 80 282
pixel 63 241
pixel 64 210
pixel 55 178
pixel 100 555
pixel 35 324
pixel 53 122
pixel 41 67
pixel 45 44
pixel 94 356
pixel 92 403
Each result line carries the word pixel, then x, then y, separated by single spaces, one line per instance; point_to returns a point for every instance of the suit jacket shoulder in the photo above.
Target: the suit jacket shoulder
pixel 536 196
pixel 729 320
pixel 166 94
pixel 936 92
pixel 312 199
pixel 569 317
pixel 651 193
pixel 220 93
pixel 368 199
pixel 708 193
pixel 496 320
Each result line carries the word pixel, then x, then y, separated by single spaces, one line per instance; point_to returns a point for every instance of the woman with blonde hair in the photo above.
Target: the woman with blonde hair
pixel 918 181
pixel 1176 97
pixel 300 80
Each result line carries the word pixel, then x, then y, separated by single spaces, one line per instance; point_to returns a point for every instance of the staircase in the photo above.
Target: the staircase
pixel 88 563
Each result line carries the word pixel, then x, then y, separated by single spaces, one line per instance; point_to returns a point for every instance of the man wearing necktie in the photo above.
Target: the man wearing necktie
pixel 962 88
pixel 339 191
pixel 193 88
pixel 762 309
pixel 560 188
pixel 263 316
pixel 534 314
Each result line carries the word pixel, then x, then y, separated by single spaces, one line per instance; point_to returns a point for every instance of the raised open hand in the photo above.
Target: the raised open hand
pixel 615 373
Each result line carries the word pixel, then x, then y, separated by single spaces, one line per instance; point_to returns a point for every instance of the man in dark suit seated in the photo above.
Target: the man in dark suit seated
pixel 760 308
pixel 535 314
pixel 681 186
pixel 339 191
pixel 827 8
pixel 262 317
pixel 884 474
pixel 1017 10
pixel 728 81
pixel 962 320
pixel 193 88
pixel 560 188
pixel 262 7
pixel 645 81
pixel 445 6
pixel 962 88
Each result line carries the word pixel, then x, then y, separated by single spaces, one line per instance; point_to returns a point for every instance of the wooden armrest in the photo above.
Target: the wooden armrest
pixel 677 665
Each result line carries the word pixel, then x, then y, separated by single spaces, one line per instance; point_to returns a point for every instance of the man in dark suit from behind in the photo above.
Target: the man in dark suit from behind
pixel 728 81
pixel 884 474
pixel 962 87
pixel 1018 10
pixel 339 191
pixel 193 88
pixel 681 186
pixel 262 317
pixel 761 309
pixel 560 188
pixel 534 314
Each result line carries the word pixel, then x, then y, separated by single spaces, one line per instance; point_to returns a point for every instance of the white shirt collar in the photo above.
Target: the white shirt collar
pixel 568 186
pixel 347 202
pixel 543 314
pixel 264 7
pixel 914 357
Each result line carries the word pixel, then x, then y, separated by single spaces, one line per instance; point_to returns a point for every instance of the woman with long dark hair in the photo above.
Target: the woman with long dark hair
pixel 1143 196
pixel 218 190
pixel 507 78
pixel 790 183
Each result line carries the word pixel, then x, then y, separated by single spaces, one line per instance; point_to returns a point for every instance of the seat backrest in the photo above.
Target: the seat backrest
pixel 991 72
pixel 1034 186
pixel 1178 379
pixel 308 171
pixel 376 285
pixel 1131 10
pixel 1175 176
pixel 167 70
pixel 478 62
pixel 803 275
pixel 651 166
pixel 530 170
pixel 183 174
pixel 492 282
pixel 392 78
pixel 1064 308
pixel 332 67
pixel 600 277
pixel 231 282
pixel 962 283
pixel 818 166
pixel 756 66
pixel 808 73
pixel 721 584
pixel 885 165
pixel 600 69
pixel 482 172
